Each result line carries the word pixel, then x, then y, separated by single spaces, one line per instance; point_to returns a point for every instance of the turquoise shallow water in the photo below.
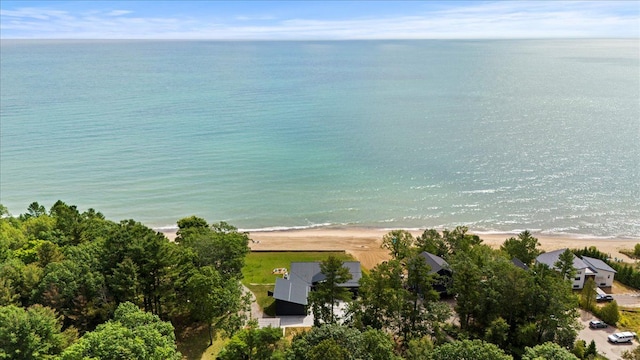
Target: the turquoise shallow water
pixel 495 135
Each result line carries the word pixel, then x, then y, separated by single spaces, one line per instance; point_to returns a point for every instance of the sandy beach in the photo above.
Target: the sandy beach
pixel 364 243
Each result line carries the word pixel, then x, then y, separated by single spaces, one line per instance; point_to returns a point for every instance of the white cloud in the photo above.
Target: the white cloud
pixel 504 19
pixel 36 14
pixel 254 18
pixel 118 12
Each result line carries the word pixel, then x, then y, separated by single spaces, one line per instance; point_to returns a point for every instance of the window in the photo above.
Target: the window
pixel 577 278
pixel 608 276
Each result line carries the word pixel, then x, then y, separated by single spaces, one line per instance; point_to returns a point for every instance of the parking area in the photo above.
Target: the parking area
pixel 609 350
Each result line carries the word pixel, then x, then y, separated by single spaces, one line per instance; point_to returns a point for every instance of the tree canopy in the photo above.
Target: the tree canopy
pixel 524 247
pixel 75 285
pixel 469 349
pixel 132 334
pixel 33 333
pixel 548 351
pixel 81 267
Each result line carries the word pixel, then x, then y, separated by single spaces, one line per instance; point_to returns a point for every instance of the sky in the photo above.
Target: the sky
pixel 318 20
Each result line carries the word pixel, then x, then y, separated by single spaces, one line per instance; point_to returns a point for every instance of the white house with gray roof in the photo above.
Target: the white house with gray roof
pixel 604 272
pixel 586 268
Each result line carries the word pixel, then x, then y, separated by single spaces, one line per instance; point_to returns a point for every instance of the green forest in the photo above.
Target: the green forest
pixel 74 285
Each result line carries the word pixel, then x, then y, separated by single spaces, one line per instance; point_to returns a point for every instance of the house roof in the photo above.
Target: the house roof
pixel 303 275
pixel 550 259
pixel 597 264
pixel 517 262
pixel 293 290
pixel 435 262
pixel 309 271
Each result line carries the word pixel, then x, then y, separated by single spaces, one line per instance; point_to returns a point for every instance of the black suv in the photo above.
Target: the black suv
pixel 604 298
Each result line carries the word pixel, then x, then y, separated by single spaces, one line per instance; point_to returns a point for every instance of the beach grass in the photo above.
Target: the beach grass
pixel 258 273
pixel 629 320
pixel 292 331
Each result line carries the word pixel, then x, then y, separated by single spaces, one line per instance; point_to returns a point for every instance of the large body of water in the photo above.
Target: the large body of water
pixel 495 135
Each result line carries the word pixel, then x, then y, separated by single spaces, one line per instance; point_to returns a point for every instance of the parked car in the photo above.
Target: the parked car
pixel 597 324
pixel 604 298
pixel 622 337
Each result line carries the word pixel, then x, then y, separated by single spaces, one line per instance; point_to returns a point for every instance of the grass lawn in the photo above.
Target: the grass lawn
pixel 195 345
pixel 258 267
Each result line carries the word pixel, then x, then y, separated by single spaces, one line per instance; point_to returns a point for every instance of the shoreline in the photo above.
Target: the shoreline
pixel 364 243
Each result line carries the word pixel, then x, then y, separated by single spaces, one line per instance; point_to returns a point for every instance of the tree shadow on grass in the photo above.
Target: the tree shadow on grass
pixel 270 310
pixel 193 342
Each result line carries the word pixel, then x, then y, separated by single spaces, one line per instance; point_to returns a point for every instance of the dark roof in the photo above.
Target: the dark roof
pixel 552 257
pixel 435 262
pixel 519 264
pixel 597 264
pixel 310 272
pixel 292 290
pixel 303 275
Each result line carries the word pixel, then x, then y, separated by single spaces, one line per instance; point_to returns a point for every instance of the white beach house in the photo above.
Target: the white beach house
pixel 586 268
pixel 604 272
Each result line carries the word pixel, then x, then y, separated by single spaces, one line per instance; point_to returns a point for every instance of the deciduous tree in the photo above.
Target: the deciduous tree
pixel 432 242
pixel 548 351
pixel 610 313
pixel 338 340
pixel 132 334
pixel 216 301
pixel 253 343
pixel 399 298
pixel 467 349
pixel 29 334
pixel 588 294
pixel 222 247
pixel 399 243
pixel 190 226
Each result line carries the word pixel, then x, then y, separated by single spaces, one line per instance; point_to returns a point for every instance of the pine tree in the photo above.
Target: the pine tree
pixel 328 292
pixel 591 349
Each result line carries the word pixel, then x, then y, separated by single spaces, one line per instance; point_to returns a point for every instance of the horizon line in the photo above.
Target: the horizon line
pixel 335 40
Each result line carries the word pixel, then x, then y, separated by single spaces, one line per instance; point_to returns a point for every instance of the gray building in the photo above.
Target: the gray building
pixel 440 268
pixel 291 293
pixel 586 268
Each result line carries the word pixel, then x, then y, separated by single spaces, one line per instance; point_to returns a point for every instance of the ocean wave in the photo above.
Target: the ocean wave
pixel 483 227
pixel 484 191
pixel 504 232
pixel 290 228
pixel 167 228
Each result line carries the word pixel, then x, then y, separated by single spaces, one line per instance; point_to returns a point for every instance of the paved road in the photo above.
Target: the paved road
pixel 628 300
pixel 611 351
